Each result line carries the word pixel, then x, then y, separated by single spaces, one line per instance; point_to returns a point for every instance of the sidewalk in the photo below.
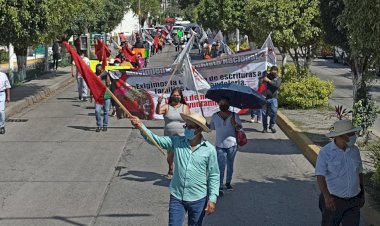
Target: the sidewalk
pixel 35 90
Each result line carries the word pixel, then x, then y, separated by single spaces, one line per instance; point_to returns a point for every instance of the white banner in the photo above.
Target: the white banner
pixel 243 68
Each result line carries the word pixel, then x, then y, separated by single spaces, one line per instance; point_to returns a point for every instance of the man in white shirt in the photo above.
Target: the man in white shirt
pixel 82 86
pixel 5 96
pixel 339 174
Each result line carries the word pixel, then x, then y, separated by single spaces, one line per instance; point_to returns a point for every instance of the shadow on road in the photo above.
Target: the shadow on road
pixel 68 219
pixel 142 176
pixel 270 146
pixel 89 128
pixel 272 201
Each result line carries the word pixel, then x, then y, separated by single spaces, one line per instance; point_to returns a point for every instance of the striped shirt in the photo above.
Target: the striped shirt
pixel 341 169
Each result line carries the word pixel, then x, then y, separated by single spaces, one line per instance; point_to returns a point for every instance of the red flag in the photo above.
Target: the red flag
pixel 129 56
pixel 155 42
pixel 164 34
pixel 102 52
pixel 96 86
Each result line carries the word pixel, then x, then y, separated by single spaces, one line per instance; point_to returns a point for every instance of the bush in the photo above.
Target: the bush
pixel 374 150
pixel 306 91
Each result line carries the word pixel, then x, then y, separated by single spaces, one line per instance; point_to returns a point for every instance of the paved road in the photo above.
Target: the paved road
pixel 341 76
pixel 56 170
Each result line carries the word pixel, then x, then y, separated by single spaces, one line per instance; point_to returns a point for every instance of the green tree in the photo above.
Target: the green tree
pixel 295 26
pixel 224 15
pixel 26 23
pixel 145 9
pixel 112 15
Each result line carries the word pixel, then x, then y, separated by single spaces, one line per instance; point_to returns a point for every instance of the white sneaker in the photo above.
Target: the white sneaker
pixel 253 120
pixel 259 121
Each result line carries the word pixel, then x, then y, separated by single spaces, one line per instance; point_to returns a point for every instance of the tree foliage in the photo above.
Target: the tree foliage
pixel 334 33
pixel 226 15
pixel 295 25
pixel 145 9
pixel 113 13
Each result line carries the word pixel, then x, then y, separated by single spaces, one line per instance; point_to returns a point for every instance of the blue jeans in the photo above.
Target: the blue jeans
pixel 270 110
pixel 98 109
pixel 82 88
pixel 2 109
pixel 226 156
pixel 257 112
pixel 178 209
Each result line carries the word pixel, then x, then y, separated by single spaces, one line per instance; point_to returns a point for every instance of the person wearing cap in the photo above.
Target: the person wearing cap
pixel 5 97
pixel 339 174
pixel 194 187
pixel 273 83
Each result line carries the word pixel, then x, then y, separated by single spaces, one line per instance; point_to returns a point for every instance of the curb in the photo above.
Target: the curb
pixel 36 98
pixel 311 151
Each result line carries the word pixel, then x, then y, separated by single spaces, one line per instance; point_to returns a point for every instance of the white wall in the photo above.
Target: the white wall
pixel 129 24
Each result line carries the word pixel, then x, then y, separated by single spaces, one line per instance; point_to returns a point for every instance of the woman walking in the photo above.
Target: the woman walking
pixel 173 120
pixel 225 123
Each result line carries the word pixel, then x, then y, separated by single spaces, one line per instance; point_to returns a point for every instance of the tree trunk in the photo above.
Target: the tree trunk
pixel 47 57
pixel 357 78
pixel 308 58
pixel 21 53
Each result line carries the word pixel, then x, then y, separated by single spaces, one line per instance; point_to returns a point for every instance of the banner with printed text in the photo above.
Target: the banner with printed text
pixel 243 68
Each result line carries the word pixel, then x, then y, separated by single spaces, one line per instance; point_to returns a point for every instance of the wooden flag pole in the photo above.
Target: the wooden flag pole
pixel 170 79
pixel 129 115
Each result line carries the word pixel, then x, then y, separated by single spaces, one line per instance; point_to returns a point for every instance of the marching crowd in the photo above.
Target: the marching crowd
pixel 197 168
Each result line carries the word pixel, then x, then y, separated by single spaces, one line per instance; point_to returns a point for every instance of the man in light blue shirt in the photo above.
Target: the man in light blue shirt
pixel 339 175
pixel 195 184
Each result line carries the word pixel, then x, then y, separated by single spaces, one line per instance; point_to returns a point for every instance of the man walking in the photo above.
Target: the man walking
pixel 340 178
pixel 195 183
pixel 82 86
pixel 5 97
pixel 273 83
pixel 56 54
pixel 104 76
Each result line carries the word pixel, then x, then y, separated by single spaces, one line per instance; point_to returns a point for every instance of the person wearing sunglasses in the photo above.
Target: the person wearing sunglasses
pixel 194 187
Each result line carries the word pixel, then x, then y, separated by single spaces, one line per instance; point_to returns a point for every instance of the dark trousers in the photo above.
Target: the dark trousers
pixel 347 212
pixel 55 63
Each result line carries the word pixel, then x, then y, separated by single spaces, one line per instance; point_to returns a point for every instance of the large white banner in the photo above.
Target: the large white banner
pixel 243 68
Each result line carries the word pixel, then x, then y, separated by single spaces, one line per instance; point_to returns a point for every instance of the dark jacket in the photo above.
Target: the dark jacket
pixel 272 87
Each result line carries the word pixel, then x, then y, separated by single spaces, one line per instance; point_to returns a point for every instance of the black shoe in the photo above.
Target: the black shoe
pixel 264 131
pixel 273 130
pixel 221 192
pixel 104 129
pixel 2 130
pixel 229 187
pixel 97 129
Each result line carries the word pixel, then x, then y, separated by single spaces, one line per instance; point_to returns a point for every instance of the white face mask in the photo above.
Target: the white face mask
pixel 351 142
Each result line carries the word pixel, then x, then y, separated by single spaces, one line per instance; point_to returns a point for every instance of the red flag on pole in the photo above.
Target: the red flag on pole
pixel 129 55
pixel 96 86
pixel 155 42
pixel 102 52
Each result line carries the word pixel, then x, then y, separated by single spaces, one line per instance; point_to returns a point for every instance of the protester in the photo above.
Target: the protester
pixel 138 44
pixel 5 97
pixel 225 123
pixel 82 86
pixel 195 183
pixel 339 174
pixel 273 83
pixel 256 115
pixel 161 42
pixel 56 54
pixel 173 120
pixel 104 76
pixel 216 50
